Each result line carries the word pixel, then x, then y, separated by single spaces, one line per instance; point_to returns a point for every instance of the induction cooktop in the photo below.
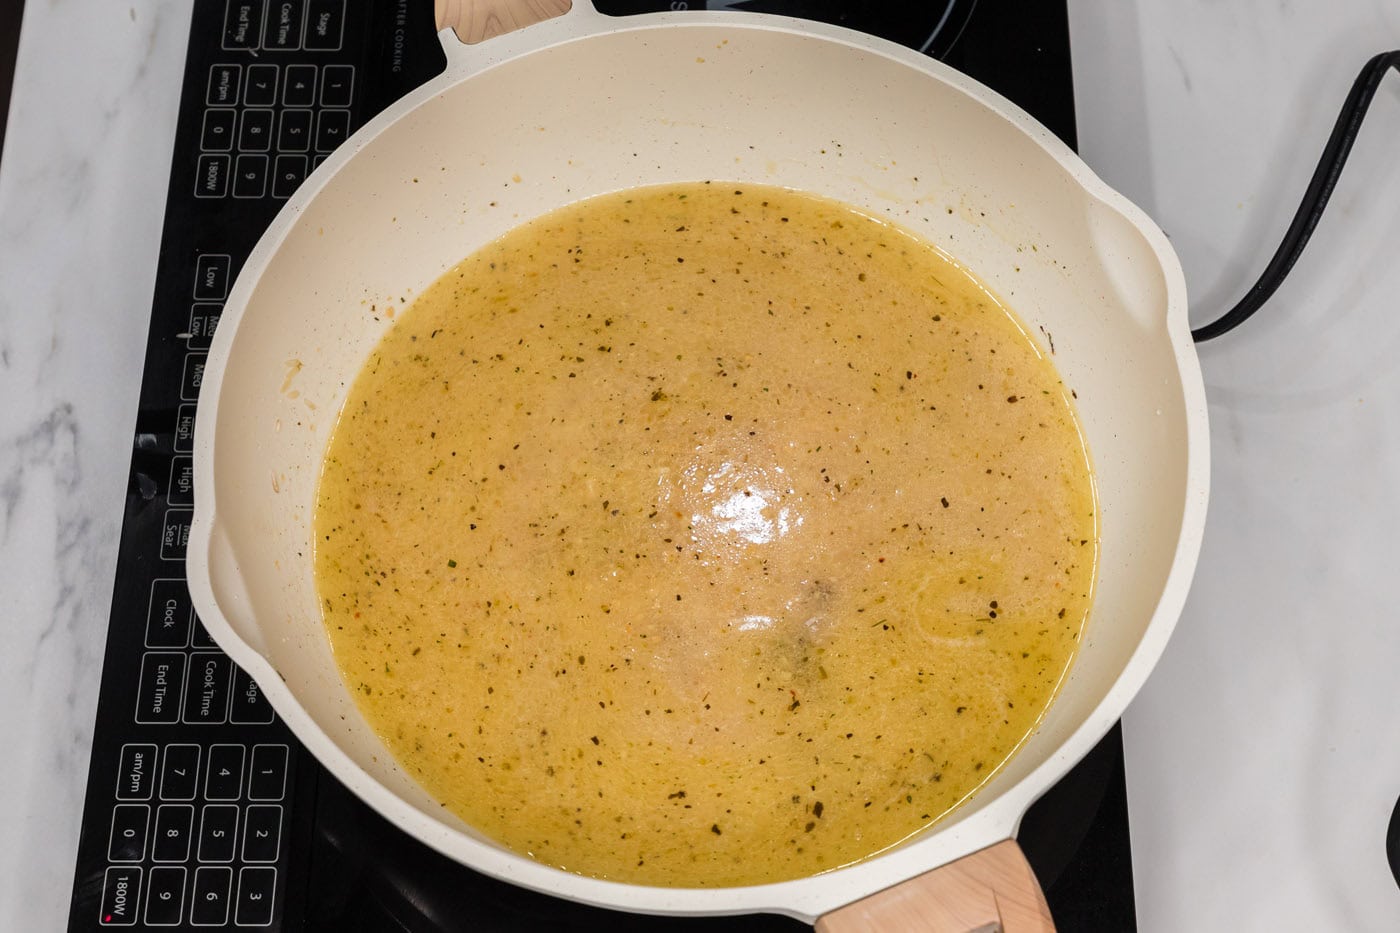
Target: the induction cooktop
pixel 202 810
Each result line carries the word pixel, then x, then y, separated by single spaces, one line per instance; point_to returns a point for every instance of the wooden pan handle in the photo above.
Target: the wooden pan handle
pixel 991 890
pixel 477 20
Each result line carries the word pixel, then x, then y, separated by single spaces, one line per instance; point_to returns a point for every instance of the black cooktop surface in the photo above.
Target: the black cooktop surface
pixel 202 810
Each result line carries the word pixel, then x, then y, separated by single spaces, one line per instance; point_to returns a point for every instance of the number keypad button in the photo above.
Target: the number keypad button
pixel 294 131
pixel 255 133
pixel 179 773
pixel 267 779
pixel 223 776
pixel 337 85
pixel 299 86
pixel 262 833
pixel 128 839
pixel 260 88
pixel 172 833
pixel 165 896
pixel 218 833
pixel 256 887
pixel 210 898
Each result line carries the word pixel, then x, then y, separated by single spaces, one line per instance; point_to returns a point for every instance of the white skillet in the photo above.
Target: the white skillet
pixel 583 104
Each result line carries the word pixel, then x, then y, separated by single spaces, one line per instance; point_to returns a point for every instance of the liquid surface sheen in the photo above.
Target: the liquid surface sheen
pixel 705 535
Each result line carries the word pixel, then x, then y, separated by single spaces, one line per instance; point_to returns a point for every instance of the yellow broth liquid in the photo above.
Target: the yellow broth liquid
pixel 705 535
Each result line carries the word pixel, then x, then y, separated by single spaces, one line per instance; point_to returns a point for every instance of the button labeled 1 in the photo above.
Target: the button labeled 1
pixel 268 777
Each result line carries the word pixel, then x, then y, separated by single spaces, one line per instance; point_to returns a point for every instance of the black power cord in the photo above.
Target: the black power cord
pixel 1324 179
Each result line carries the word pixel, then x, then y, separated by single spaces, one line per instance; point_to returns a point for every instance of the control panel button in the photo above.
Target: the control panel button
pixel 260 86
pixel 250 176
pixel 287 175
pixel 165 896
pixel 223 773
pixel 218 832
pixel 325 24
pixel 224 84
pixel 136 769
pixel 169 614
pixel 204 318
pixel 180 491
pixel 162 679
pixel 255 132
pixel 171 842
pixel 207 688
pixel 262 832
pixel 249 705
pixel 211 176
pixel 175 528
pixel 217 135
pixel 211 276
pixel 210 897
pixel 184 429
pixel 267 779
pixel 283 30
pixel 243 21
pixel 332 127
pixel 337 85
pixel 121 896
pixel 127 842
pixel 299 86
pixel 256 887
pixel 179 772
pixel 294 131
pixel 201 637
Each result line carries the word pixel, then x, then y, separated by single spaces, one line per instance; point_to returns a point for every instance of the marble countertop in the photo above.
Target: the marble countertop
pixel 1263 756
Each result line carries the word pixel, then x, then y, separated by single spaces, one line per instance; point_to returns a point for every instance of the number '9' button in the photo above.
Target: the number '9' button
pixel 165 897
pixel 250 176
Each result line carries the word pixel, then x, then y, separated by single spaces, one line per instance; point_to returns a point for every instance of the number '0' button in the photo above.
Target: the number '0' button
pixel 217 135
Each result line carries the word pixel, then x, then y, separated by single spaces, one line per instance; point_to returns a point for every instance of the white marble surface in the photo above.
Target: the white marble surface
pixel 82 191
pixel 1263 755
